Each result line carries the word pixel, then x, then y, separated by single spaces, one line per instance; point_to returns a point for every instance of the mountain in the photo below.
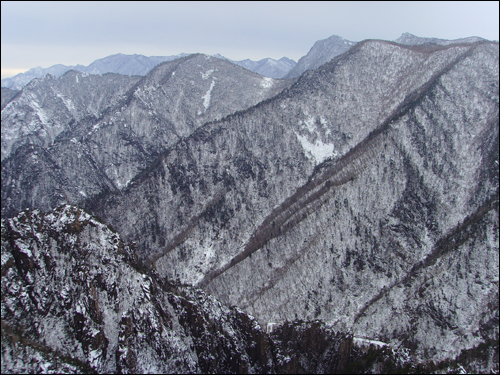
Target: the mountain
pixel 22 79
pixel 410 39
pixel 362 196
pixel 7 95
pixel 106 144
pixel 267 67
pixel 341 199
pixel 326 49
pixel 118 63
pixel 321 52
pixel 74 301
pixel 47 106
pixel 141 65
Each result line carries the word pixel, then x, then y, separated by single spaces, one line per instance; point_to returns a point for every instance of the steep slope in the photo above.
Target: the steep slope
pixel 106 149
pixel 318 202
pixel 48 106
pixel 364 195
pixel 7 95
pixel 73 301
pixel 321 52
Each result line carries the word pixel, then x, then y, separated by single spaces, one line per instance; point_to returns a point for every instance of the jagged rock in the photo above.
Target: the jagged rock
pixel 75 301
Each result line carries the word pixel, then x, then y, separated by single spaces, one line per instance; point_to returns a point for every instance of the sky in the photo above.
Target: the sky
pixel 45 33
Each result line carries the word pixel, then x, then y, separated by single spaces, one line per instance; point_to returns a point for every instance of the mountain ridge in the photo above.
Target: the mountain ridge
pixel 363 195
pixel 140 65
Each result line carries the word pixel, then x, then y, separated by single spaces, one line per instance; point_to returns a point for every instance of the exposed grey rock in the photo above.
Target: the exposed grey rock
pixel 321 52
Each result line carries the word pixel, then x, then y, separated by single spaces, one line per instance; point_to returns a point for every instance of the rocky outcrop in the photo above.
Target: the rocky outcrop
pixel 75 301
pixel 321 52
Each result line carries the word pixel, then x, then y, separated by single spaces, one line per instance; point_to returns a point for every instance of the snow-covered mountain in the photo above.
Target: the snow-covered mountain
pixel 410 39
pixel 267 67
pixel 48 106
pixel 362 196
pixel 326 49
pixel 118 63
pixel 141 65
pixel 74 301
pixel 100 143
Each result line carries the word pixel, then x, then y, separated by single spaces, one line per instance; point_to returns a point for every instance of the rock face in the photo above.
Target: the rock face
pixel 322 52
pixel 71 301
pixel 364 195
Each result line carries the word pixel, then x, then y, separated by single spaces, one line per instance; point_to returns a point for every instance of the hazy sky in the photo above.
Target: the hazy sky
pixel 44 33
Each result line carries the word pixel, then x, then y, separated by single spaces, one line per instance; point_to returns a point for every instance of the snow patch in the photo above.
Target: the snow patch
pixel 317 152
pixel 367 342
pixel 207 74
pixel 267 82
pixel 206 97
pixel 67 102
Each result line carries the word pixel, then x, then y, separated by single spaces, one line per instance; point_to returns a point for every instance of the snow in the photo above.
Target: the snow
pixel 67 102
pixel 206 97
pixel 317 152
pixel 267 82
pixel 362 341
pixel 207 74
pixel 39 112
pixel 270 327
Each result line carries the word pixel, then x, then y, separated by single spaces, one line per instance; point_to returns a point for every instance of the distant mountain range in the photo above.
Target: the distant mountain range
pixel 322 51
pixel 140 65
